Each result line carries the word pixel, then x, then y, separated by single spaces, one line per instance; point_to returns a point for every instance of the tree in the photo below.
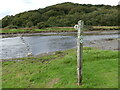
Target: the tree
pixel 64 14
pixel 29 24
pixel 17 21
pixel 6 21
pixel 12 26
pixel 0 23
pixel 41 25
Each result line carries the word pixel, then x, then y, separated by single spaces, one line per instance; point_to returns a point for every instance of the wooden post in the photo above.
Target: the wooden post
pixel 79 51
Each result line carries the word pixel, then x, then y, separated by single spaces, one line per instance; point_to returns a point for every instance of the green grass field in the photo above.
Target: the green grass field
pixel 28 30
pixel 100 70
pixel 35 30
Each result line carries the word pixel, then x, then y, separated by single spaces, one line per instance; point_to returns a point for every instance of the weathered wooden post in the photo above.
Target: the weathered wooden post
pixel 79 27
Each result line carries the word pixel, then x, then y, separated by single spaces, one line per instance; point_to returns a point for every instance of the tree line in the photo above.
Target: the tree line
pixel 64 15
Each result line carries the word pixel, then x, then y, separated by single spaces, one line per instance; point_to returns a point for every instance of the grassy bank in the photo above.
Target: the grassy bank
pixel 100 70
pixel 28 30
pixel 57 29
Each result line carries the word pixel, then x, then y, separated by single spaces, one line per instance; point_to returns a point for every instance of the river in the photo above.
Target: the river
pixel 13 47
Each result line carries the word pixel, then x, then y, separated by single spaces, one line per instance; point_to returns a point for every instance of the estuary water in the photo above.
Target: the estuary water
pixel 13 47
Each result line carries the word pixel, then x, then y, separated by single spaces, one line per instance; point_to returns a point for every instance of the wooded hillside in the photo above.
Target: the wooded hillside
pixel 64 14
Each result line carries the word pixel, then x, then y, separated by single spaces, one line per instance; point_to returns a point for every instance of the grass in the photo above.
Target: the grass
pixel 30 30
pixel 106 27
pixel 35 30
pixel 12 30
pixel 100 70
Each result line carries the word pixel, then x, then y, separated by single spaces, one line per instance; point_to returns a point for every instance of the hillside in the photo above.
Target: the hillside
pixel 64 14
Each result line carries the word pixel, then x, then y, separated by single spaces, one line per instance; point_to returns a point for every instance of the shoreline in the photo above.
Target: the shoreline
pixel 59 33
pixel 107 44
pixel 104 44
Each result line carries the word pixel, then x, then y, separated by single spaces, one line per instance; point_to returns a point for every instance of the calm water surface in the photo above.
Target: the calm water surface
pixel 14 47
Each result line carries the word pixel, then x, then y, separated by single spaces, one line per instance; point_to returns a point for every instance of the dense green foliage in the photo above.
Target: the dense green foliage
pixel 65 14
pixel 100 70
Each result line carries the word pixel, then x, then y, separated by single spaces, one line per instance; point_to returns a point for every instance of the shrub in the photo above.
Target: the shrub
pixel 42 25
pixel 12 27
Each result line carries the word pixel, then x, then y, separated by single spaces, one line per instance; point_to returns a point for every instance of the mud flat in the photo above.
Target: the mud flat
pixel 106 44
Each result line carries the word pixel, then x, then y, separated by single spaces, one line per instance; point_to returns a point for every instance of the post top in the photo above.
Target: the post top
pixel 79 25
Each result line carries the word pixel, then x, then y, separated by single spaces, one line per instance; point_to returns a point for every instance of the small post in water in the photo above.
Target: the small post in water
pixel 79 27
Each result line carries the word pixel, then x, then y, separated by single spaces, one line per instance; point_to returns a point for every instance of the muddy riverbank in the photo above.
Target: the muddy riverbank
pixel 105 44
pixel 59 33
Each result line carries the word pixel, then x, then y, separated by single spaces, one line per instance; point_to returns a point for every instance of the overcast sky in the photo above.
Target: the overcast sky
pixel 12 7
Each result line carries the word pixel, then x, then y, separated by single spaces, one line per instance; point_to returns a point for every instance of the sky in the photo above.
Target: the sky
pixel 12 7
